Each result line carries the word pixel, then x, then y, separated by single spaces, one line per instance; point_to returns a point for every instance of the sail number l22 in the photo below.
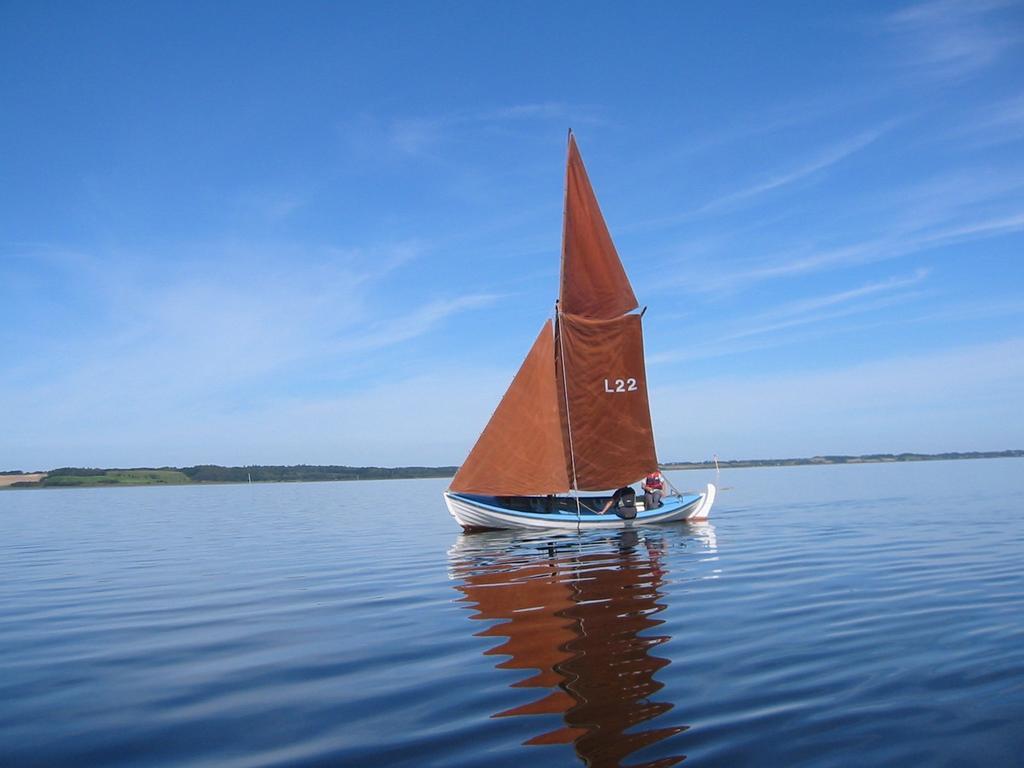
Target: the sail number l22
pixel 620 385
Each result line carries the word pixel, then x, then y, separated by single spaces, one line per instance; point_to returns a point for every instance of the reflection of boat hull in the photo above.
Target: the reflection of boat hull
pixel 474 512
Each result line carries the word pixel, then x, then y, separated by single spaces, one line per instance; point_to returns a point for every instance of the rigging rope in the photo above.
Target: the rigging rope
pixel 675 490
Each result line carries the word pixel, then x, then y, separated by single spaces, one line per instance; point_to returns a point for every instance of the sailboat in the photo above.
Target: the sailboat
pixel 576 417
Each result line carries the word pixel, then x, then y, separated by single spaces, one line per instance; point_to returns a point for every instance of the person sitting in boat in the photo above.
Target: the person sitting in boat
pixel 654 487
pixel 624 503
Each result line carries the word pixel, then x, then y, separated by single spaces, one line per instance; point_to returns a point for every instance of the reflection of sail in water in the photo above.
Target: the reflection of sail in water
pixel 578 613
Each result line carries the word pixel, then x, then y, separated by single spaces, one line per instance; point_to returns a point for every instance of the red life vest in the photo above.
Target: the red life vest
pixel 653 481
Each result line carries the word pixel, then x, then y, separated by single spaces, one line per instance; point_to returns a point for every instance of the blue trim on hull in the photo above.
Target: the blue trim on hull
pixel 671 504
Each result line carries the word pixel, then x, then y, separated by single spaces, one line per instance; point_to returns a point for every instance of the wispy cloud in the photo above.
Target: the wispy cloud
pixel 996 123
pixel 779 117
pixel 761 330
pixel 952 39
pixel 820 309
pixel 827 158
pixel 419 322
pixel 786 333
pixel 414 136
pixel 806 169
pixel 967 311
pixel 975 229
pixel 422 136
pixel 963 398
pixel 205 330
pixel 269 205
pixel 806 260
pixel 548 110
pixel 843 297
pixel 430 416
pixel 802 260
pixel 974 192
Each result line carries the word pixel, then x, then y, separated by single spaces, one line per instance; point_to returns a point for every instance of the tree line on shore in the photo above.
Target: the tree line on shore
pixel 868 458
pixel 260 473
pixel 213 473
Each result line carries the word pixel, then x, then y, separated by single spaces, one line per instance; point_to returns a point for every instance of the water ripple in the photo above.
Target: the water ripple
pixel 827 616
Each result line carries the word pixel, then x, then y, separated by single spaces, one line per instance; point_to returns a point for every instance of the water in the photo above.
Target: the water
pixel 827 616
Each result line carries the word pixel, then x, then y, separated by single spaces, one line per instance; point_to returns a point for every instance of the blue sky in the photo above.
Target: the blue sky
pixel 327 232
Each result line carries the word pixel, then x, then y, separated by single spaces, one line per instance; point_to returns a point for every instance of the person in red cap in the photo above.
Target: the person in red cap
pixel 654 487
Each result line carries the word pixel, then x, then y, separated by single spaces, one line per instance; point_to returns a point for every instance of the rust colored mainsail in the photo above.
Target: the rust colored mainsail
pixel 576 415
pixel 520 451
pixel 606 413
pixel 600 350
pixel 594 284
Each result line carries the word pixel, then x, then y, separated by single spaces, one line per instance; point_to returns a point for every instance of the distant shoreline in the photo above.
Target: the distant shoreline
pixel 210 474
pixel 873 458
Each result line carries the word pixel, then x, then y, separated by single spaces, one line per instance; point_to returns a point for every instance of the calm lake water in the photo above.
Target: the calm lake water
pixel 827 616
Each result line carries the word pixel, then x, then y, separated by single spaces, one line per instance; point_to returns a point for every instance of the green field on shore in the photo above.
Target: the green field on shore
pixel 118 477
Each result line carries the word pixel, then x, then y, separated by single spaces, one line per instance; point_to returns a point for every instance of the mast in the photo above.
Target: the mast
pixel 565 214
pixel 558 317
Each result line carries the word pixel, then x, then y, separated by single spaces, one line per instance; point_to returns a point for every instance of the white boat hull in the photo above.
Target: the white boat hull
pixel 474 513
